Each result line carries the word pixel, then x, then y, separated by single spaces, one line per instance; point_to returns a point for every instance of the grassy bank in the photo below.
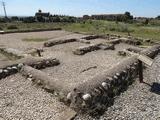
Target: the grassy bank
pixel 18 26
pixel 151 31
pixel 104 27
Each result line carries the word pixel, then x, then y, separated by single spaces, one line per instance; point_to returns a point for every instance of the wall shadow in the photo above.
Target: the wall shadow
pixel 155 87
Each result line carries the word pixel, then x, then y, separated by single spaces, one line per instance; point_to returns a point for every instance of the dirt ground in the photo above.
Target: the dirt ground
pixel 15 40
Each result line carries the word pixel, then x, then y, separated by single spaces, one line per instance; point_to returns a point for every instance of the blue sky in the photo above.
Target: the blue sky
pixel 148 8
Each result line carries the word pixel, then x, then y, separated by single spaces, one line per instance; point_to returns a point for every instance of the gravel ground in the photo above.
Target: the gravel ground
pixel 3 59
pixel 138 102
pixel 21 100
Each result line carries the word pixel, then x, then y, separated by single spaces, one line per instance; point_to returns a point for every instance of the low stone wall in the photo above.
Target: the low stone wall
pixel 42 79
pixel 38 63
pixel 130 41
pixel 124 40
pixel 98 92
pixel 86 49
pixel 92 47
pixel 57 42
pixel 25 31
pixel 91 37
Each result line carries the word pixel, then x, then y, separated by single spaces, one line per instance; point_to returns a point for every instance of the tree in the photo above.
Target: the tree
pixel 2 20
pixel 158 17
pixel 55 19
pixel 128 15
pixel 29 19
pixel 146 22
pixel 14 18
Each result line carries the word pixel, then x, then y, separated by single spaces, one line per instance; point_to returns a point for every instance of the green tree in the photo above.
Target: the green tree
pixel 128 15
pixel 14 18
pixel 146 22
pixel 158 17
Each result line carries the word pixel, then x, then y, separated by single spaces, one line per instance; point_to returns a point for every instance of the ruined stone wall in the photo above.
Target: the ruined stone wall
pixel 38 63
pixel 57 42
pixel 99 92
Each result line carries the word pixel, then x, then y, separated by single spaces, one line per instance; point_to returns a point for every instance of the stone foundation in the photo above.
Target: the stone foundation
pixel 38 63
pixel 99 92
pixel 96 93
pixel 93 47
pixel 57 42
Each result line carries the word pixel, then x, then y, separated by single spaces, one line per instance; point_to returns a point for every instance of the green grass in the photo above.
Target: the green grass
pixel 100 27
pixel 35 39
pixel 29 26
pixel 104 27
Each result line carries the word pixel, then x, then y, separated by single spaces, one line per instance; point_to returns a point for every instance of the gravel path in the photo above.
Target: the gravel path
pixel 21 100
pixel 138 102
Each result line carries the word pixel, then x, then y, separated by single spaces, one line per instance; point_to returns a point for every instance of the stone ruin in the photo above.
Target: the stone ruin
pixel 94 94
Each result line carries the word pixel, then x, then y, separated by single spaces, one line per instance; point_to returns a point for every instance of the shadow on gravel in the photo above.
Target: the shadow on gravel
pixel 155 88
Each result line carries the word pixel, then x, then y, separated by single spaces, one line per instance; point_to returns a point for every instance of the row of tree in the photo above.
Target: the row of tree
pixel 111 17
pixel 47 17
pixel 158 17
pixel 54 18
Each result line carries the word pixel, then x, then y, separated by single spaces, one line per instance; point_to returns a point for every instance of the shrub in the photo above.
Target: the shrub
pixel 12 27
pixel 30 19
pixel 1 28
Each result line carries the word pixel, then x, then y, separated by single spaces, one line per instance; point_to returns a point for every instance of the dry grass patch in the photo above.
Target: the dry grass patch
pixel 35 39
